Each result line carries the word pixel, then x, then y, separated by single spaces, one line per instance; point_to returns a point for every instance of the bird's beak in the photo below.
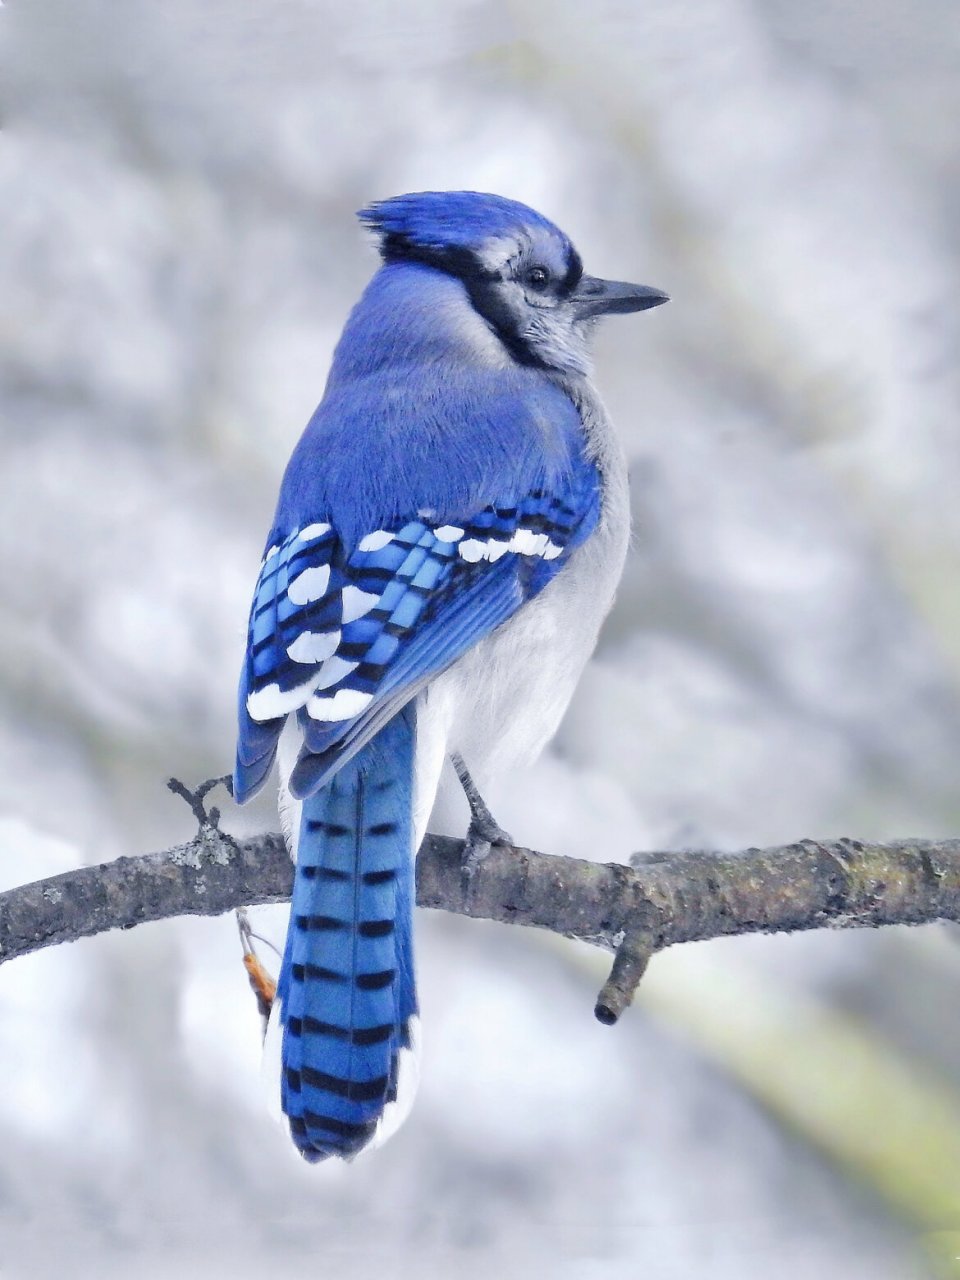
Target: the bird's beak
pixel 594 297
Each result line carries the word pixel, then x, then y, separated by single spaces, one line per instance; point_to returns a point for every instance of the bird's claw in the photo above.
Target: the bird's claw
pixel 482 834
pixel 484 830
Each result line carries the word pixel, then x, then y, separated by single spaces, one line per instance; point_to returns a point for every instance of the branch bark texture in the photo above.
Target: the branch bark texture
pixel 637 910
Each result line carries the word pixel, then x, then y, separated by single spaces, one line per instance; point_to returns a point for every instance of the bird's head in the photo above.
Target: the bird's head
pixel 521 273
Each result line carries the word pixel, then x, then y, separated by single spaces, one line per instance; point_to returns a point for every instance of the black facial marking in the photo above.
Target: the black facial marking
pixel 574 272
pixel 489 302
pixel 484 286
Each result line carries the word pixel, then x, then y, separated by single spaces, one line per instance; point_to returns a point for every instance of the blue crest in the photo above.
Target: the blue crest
pixel 437 220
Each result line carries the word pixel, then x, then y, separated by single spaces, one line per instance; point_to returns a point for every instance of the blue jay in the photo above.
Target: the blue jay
pixel 450 532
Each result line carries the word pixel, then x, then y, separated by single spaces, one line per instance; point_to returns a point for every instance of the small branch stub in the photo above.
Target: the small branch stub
pixel 629 966
pixel 208 820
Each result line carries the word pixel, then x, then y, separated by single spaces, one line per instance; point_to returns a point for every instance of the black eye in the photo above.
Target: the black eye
pixel 537 277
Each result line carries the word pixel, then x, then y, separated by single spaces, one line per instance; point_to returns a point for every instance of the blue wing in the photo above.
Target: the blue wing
pixel 344 635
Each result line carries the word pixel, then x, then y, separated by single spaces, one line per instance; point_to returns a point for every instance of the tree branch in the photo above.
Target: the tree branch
pixel 662 899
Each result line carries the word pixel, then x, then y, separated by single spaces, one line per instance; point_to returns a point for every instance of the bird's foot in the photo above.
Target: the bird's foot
pixel 480 839
pixel 263 986
pixel 484 830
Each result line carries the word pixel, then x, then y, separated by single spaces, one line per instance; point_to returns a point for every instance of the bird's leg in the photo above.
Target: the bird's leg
pixel 484 830
pixel 263 986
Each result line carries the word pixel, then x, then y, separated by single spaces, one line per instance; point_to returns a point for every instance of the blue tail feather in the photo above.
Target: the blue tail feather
pixel 346 983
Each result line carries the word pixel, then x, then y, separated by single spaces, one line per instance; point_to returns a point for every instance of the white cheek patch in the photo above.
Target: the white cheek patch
pixel 344 705
pixel 495 253
pixel 314 646
pixel 310 585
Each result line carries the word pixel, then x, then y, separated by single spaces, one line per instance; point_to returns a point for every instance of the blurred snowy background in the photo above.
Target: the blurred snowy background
pixel 178 253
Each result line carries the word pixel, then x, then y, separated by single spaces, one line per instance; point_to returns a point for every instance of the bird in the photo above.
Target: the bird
pixel 449 535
